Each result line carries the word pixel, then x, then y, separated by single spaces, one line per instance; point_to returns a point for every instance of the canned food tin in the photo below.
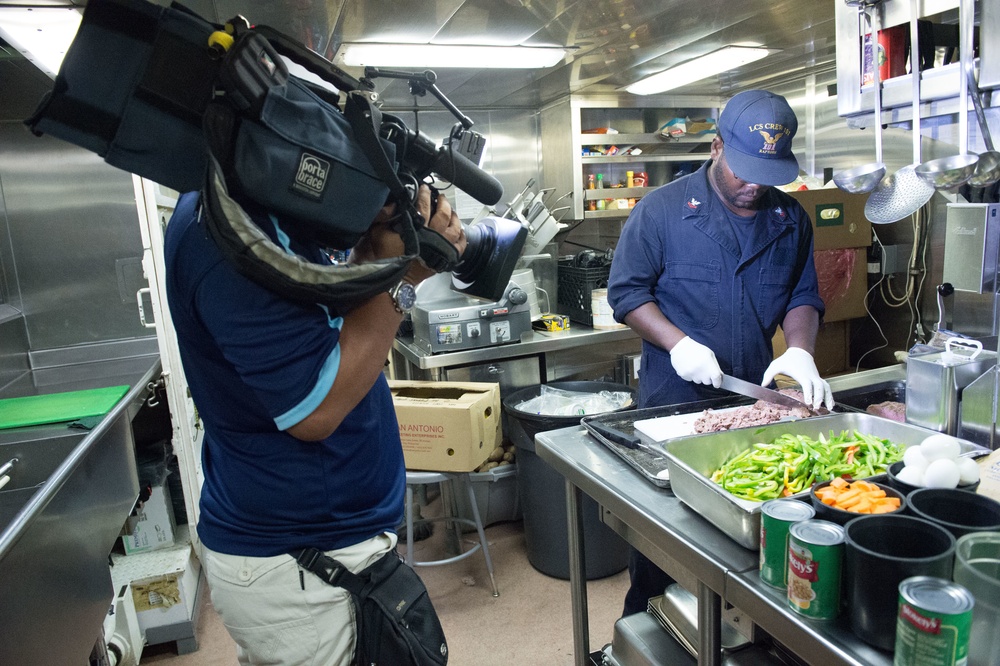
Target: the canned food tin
pixel 776 516
pixel 815 558
pixel 935 616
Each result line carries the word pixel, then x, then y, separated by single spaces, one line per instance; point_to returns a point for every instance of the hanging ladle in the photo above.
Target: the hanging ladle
pixel 988 168
pixel 864 178
pixel 903 193
pixel 948 172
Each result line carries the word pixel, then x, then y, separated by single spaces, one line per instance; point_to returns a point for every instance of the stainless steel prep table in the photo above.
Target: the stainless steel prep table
pixel 532 343
pixel 685 545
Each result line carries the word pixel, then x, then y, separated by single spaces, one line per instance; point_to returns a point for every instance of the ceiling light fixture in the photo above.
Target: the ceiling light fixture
pixel 42 34
pixel 451 55
pixel 723 60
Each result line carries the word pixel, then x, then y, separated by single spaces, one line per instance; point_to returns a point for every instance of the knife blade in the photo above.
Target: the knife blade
pixel 758 392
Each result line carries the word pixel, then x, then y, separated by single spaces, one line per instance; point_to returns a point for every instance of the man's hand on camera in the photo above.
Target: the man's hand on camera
pixel 382 242
pixel 444 221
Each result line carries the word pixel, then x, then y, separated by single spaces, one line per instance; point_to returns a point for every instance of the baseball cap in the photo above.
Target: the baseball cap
pixel 757 127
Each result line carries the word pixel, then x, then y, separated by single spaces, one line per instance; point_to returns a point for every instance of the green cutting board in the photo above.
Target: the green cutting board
pixel 56 407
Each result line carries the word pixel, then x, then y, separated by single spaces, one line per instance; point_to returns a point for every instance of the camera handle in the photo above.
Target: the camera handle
pixel 418 240
pixel 420 84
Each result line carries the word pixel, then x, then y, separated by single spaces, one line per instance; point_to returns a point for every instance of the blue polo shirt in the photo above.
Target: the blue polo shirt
pixel 678 249
pixel 256 365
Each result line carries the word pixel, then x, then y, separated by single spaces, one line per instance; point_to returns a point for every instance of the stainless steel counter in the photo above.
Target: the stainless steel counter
pixel 691 549
pixel 532 342
pixel 62 512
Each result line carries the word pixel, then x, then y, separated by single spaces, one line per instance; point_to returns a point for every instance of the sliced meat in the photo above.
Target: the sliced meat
pixel 889 409
pixel 757 414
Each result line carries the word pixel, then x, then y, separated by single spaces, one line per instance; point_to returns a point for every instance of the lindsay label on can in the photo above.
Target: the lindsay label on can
pixel 935 617
pixel 776 516
pixel 815 558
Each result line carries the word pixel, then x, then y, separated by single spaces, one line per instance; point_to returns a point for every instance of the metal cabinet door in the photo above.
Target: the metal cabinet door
pixel 511 374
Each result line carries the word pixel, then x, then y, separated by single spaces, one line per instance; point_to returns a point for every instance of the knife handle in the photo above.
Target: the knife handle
pixel 616 436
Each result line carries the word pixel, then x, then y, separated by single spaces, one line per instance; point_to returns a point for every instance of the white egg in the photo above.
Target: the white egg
pixel 940 446
pixel 912 475
pixel 913 456
pixel 968 471
pixel 941 473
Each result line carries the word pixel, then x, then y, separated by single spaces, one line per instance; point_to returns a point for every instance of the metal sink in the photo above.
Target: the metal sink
pixel 37 461
pixel 60 515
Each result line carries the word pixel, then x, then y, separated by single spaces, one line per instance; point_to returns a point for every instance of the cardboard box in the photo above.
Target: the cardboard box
pixel 838 218
pixel 447 426
pixel 164 584
pixel 832 348
pixel 154 525
pixel 843 282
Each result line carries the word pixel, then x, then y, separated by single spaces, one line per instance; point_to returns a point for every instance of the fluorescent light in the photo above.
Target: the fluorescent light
pixel 451 55
pixel 715 62
pixel 42 34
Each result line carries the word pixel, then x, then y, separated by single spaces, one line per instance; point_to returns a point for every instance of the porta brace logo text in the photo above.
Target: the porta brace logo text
pixel 807 569
pixel 928 625
pixel 312 173
pixel 419 427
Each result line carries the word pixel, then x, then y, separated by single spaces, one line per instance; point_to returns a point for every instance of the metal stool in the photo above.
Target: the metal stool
pixel 424 478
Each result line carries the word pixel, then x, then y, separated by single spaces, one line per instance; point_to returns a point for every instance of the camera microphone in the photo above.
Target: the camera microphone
pixel 454 167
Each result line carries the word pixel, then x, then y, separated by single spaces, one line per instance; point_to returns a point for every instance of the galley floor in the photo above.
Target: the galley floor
pixel 529 624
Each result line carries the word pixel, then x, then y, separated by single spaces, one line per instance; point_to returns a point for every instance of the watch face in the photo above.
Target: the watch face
pixel 405 296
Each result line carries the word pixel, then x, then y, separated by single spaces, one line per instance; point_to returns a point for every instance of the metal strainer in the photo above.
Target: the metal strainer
pixel 899 195
pixel 903 193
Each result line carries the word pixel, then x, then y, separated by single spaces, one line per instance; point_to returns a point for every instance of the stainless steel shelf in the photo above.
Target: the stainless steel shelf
pixel 654 138
pixel 645 157
pixel 617 192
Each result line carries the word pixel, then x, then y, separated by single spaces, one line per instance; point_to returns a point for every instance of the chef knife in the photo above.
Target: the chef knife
pixel 758 392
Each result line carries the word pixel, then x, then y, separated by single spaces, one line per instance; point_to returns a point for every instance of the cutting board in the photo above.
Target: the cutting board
pixel 677 425
pixel 56 407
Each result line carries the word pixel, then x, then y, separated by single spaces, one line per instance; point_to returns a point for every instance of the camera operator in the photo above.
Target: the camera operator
pixel 301 443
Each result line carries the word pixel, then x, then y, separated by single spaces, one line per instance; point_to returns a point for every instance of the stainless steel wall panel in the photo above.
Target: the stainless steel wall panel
pixel 72 221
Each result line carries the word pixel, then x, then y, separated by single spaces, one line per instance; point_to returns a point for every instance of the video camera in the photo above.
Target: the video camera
pixel 164 94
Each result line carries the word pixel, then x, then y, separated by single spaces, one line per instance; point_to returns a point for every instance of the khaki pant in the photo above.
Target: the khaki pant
pixel 282 615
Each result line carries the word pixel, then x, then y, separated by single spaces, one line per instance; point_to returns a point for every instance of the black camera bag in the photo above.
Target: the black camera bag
pixel 396 622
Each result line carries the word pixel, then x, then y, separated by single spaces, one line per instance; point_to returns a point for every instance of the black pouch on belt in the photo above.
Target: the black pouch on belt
pixel 397 624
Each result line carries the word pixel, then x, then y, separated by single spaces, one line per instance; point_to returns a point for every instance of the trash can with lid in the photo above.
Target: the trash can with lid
pixel 542 491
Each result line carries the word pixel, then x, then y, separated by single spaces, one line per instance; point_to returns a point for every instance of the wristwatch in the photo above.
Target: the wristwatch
pixel 404 296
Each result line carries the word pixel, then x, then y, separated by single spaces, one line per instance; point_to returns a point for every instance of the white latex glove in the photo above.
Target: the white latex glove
pixel 694 362
pixel 798 364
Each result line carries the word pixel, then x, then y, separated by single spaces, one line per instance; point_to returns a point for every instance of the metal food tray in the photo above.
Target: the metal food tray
pixel 692 460
pixel 648 463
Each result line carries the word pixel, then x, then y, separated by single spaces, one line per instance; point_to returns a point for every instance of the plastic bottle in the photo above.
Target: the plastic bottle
pixel 629 179
pixel 591 203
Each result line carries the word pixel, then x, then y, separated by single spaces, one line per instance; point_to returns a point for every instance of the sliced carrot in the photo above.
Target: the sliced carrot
pixel 857 497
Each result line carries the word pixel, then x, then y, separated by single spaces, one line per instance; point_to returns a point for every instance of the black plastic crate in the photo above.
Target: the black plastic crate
pixel 576 284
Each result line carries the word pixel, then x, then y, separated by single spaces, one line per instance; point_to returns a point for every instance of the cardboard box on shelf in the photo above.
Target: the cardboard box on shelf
pixel 838 218
pixel 154 525
pixel 447 426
